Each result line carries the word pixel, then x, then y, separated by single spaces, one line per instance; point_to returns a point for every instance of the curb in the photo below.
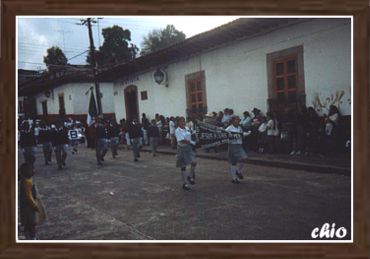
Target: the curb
pixel 273 163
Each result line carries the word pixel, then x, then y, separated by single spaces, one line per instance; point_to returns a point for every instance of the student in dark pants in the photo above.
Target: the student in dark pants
pixel 45 140
pixel 113 134
pixel 27 143
pixel 59 139
pixel 153 135
pixel 135 134
pixel 101 140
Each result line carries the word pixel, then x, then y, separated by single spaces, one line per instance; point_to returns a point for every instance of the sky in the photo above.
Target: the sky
pixel 37 34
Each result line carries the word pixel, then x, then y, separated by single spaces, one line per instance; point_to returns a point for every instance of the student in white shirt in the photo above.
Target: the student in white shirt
pixel 185 153
pixel 236 151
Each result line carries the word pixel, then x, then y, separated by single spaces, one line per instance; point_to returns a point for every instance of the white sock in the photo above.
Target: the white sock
pixel 233 171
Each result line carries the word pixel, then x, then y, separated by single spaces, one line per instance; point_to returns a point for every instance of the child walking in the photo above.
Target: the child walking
pixel 236 151
pixel 185 154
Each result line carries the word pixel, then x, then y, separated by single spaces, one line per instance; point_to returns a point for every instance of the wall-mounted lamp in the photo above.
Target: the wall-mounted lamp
pixel 160 77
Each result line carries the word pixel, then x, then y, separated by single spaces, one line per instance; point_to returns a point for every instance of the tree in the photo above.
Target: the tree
pixel 116 47
pixel 159 39
pixel 55 59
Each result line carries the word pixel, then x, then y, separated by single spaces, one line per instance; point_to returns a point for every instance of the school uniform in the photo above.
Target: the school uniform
pixel 153 135
pixel 45 140
pixel 113 134
pixel 101 142
pixel 185 155
pixel 28 144
pixel 135 134
pixel 235 152
pixel 60 143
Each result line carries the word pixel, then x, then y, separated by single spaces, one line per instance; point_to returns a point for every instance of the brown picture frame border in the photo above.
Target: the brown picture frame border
pixel 360 248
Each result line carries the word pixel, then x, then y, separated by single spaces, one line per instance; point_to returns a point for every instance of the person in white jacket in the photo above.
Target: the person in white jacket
pixel 236 151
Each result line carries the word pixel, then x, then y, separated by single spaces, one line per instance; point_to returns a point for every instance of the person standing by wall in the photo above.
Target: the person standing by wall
pixel 145 124
pixel 185 154
pixel 172 127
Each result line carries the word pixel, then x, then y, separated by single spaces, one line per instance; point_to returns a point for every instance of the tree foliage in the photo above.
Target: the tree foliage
pixel 161 38
pixel 116 47
pixel 55 59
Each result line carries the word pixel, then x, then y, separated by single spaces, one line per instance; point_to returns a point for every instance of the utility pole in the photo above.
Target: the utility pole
pixel 88 22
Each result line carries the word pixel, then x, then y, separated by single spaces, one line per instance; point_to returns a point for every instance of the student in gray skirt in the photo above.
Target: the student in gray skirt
pixel 236 151
pixel 185 154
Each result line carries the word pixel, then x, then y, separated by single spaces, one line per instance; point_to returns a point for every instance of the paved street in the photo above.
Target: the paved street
pixel 147 201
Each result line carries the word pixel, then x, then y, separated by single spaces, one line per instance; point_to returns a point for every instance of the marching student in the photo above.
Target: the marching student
pixel 59 139
pixel 27 142
pixel 101 140
pixel 135 134
pixel 113 134
pixel 236 151
pixel 185 153
pixel 45 140
pixel 153 135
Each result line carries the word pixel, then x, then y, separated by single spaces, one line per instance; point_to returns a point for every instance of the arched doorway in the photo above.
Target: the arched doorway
pixel 131 102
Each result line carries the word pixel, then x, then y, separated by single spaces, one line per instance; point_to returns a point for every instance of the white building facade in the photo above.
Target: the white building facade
pixel 270 64
pixel 310 61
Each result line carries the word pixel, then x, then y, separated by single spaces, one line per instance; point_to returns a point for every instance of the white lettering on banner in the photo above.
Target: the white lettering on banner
pixel 328 231
pixel 73 134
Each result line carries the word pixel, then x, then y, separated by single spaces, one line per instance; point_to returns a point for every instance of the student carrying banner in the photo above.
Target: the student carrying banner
pixel 185 153
pixel 236 151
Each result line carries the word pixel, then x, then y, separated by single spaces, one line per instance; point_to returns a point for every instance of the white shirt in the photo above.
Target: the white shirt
pixel 182 134
pixel 159 124
pixel 226 118
pixel 172 127
pixel 334 118
pixel 262 127
pixel 270 128
pixel 238 129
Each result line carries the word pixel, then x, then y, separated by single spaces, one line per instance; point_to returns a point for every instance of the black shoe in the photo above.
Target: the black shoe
pixel 64 163
pixel 239 175
pixel 100 163
pixel 60 167
pixel 186 187
pixel 46 163
pixel 102 159
pixel 191 180
pixel 138 155
pixel 135 160
pixel 236 180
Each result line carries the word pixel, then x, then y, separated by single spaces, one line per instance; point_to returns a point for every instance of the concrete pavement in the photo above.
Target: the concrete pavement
pixel 124 200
